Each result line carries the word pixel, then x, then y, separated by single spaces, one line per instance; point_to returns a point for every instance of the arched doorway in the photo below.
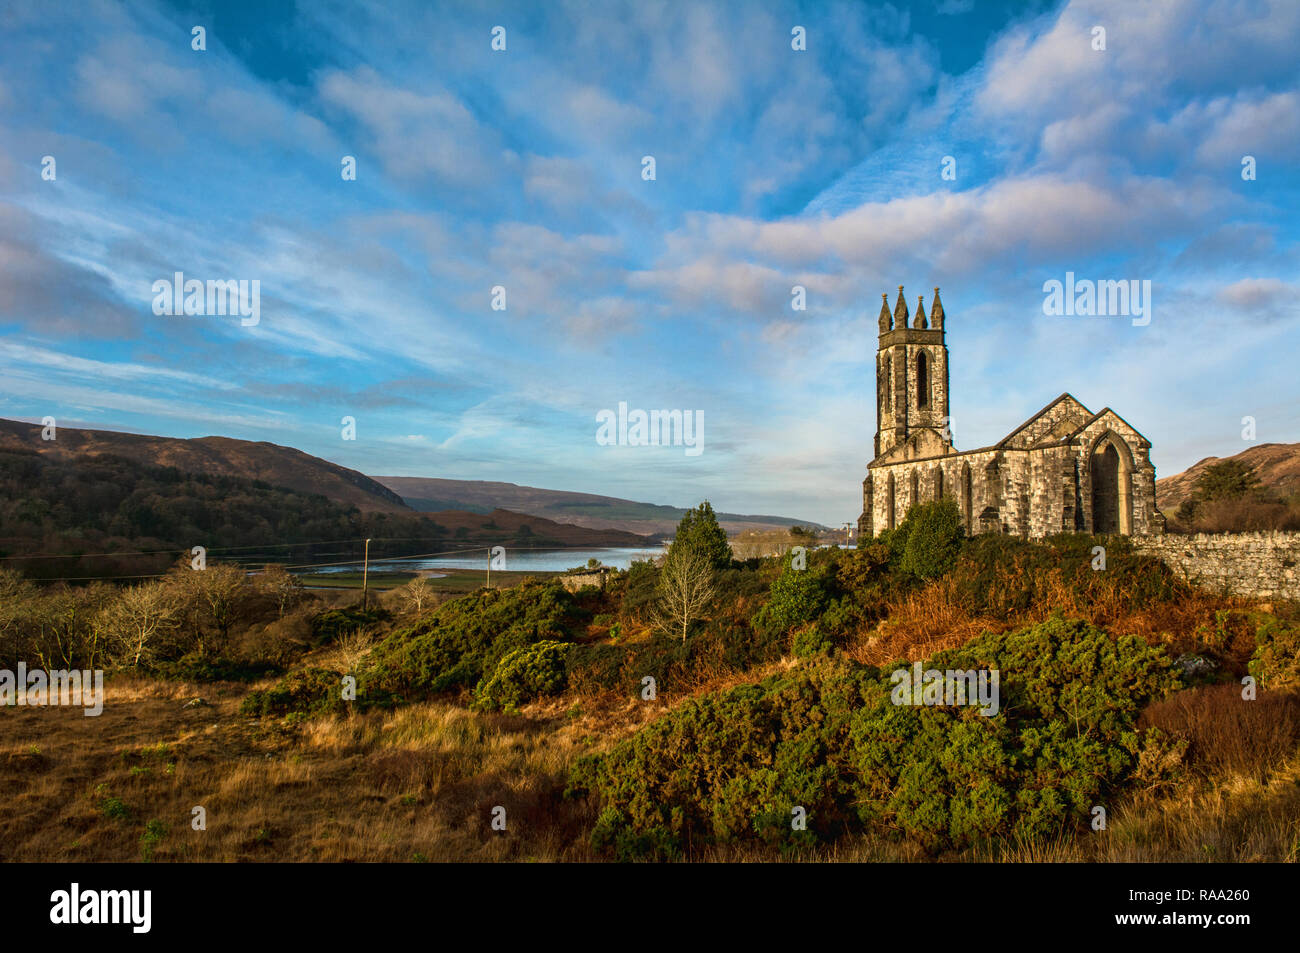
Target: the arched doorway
pixel 1110 470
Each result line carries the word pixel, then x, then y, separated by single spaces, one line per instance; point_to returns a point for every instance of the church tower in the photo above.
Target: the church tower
pixel 911 373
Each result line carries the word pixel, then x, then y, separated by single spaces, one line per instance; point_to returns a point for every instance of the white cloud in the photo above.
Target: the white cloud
pixel 416 133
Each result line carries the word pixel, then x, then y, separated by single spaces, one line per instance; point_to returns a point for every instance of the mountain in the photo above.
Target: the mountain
pixel 580 509
pixel 102 515
pixel 617 522
pixel 214 456
pixel 1276 464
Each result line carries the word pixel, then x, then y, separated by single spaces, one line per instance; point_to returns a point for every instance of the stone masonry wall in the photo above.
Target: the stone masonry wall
pixel 576 580
pixel 1266 565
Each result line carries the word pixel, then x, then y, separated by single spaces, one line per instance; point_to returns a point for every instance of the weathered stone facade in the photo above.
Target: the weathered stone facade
pixel 1266 565
pixel 573 581
pixel 1066 469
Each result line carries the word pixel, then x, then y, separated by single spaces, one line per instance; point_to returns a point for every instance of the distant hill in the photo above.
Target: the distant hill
pixel 1276 464
pixel 580 509
pixel 65 516
pixel 214 456
pixel 471 503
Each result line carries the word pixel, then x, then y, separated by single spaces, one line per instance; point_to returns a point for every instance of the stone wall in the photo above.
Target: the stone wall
pixel 1266 565
pixel 576 580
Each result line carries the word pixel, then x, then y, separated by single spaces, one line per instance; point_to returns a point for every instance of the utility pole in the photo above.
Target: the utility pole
pixel 365 577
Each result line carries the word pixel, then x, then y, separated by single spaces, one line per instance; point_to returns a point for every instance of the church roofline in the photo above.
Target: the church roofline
pixel 1002 444
pixel 1096 417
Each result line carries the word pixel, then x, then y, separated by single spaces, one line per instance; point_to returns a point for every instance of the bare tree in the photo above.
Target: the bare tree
pixel 18 598
pixel 351 648
pixel 415 596
pixel 280 585
pixel 210 597
pixel 685 589
pixel 137 622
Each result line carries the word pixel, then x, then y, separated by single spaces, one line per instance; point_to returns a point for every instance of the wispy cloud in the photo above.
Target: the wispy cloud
pixel 520 172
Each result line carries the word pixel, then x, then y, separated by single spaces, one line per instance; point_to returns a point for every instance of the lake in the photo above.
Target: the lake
pixel 516 560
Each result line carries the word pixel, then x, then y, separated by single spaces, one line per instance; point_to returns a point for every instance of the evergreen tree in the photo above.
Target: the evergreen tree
pixel 1228 480
pixel 699 531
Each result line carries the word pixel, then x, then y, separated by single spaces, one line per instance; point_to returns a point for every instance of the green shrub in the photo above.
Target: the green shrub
pixel 115 808
pixel 1004 575
pixel 933 538
pixel 154 833
pixel 640 591
pixel 524 675
pixel 797 596
pixel 195 667
pixel 827 737
pixel 810 641
pixel 739 582
pixel 464 639
pixel 895 543
pixel 1276 662
pixel 722 645
pixel 308 691
pixel 331 624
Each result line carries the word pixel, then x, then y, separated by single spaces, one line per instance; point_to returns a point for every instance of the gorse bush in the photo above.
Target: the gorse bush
pixel 307 691
pixel 725 646
pixel 329 625
pixel 454 646
pixel 797 596
pixel 933 538
pixel 464 639
pixel 1276 662
pixel 524 675
pixel 812 640
pixel 828 738
pixel 1003 576
pixel 640 590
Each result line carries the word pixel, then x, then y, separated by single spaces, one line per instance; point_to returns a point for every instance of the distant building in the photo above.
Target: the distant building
pixel 1065 469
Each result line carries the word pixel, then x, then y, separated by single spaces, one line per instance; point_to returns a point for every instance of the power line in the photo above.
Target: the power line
pixel 349 562
pixel 322 542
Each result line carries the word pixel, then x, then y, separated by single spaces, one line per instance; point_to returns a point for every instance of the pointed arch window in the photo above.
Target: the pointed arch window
pixel 922 380
pixel 889 382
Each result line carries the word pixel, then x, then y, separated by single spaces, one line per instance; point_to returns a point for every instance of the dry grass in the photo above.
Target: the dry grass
pixel 919 624
pixel 1227 735
pixel 936 617
pixel 1231 818
pixel 417 783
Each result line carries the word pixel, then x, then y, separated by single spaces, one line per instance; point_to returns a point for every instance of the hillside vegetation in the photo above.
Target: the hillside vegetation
pixel 1257 490
pixel 593 728
pixel 430 494
pixel 142 517
pixel 212 457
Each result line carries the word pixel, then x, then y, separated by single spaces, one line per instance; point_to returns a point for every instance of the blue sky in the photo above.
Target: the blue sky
pixel 523 169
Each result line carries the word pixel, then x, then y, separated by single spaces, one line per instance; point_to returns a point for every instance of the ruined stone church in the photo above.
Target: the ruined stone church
pixel 1065 469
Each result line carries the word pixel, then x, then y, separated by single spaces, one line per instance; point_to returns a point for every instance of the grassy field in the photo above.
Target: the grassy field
pixel 420 784
pixel 469 705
